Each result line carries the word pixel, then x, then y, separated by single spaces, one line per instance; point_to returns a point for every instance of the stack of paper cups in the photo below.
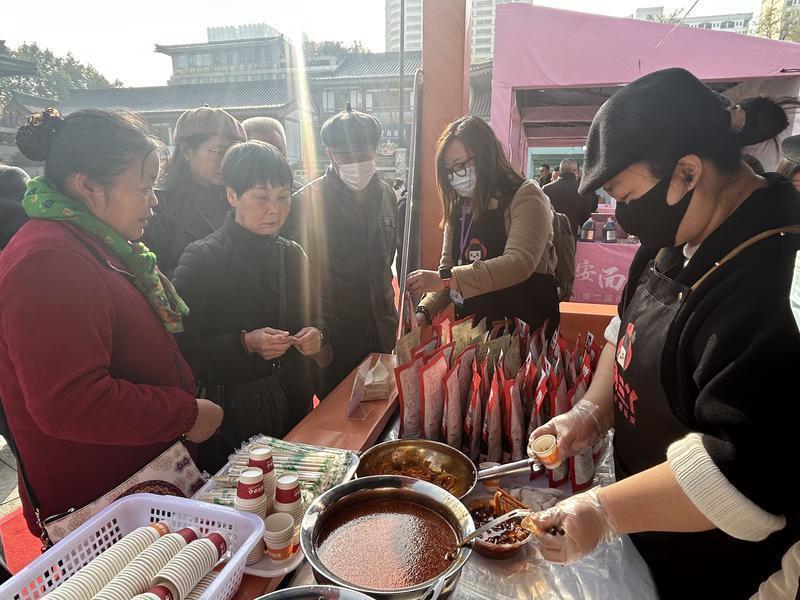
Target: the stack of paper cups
pixel 136 577
pixel 261 458
pixel 92 578
pixel 288 500
pixel 201 587
pixel 279 535
pixel 250 498
pixel 187 568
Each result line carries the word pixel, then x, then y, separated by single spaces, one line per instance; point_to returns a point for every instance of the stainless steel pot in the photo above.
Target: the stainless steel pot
pixel 316 592
pixel 386 487
pixel 441 457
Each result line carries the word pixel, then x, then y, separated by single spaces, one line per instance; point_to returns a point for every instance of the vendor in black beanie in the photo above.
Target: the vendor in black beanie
pixel 699 376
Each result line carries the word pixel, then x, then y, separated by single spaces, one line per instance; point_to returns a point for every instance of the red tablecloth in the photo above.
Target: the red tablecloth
pixel 601 271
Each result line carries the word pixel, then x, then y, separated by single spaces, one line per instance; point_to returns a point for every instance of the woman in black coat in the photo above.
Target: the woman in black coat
pixel 250 334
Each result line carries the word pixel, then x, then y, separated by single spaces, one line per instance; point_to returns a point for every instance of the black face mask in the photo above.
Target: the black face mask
pixel 651 218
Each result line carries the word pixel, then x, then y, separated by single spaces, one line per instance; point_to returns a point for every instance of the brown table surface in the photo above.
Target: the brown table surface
pixel 327 425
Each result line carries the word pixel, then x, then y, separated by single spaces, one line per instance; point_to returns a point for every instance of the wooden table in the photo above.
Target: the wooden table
pixel 327 425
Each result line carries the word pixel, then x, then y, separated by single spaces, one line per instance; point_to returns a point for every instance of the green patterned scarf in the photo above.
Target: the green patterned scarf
pixel 43 201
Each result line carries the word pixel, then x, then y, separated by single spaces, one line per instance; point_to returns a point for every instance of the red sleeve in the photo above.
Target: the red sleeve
pixel 57 322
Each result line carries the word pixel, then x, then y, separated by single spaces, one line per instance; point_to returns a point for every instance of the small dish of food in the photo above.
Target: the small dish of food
pixel 506 539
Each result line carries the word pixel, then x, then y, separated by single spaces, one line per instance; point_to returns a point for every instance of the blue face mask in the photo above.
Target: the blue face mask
pixel 464 185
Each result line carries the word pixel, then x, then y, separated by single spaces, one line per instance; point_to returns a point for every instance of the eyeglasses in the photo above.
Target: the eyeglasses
pixel 459 169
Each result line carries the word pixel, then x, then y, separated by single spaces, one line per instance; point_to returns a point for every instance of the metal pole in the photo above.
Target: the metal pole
pixel 402 74
pixel 411 198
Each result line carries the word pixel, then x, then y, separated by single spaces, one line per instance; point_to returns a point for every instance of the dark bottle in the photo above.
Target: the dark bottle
pixel 588 231
pixel 610 232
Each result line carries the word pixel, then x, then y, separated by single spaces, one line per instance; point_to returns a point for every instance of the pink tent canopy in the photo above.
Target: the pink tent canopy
pixel 546 49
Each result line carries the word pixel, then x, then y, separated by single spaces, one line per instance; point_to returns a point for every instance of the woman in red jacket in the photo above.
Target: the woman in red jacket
pixel 92 381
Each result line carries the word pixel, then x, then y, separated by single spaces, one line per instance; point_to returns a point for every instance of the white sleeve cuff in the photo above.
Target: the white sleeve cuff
pixel 715 496
pixel 612 331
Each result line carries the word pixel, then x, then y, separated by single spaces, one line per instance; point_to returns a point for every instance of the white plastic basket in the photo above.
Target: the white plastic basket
pixel 123 516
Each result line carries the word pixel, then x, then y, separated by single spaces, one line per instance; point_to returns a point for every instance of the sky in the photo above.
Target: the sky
pixel 120 43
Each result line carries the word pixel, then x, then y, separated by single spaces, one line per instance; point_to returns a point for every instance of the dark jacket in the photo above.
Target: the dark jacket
pixel 350 249
pixel 230 281
pixel 185 214
pixel 729 367
pixel 12 216
pixel 565 199
pixel 93 386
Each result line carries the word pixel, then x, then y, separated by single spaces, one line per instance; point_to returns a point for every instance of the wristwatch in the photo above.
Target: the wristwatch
pixel 446 276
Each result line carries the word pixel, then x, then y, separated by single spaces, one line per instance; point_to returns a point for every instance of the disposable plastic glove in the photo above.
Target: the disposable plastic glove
pixel 572 528
pixel 575 430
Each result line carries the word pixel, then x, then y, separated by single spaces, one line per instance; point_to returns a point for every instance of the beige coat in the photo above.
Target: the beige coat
pixel 529 249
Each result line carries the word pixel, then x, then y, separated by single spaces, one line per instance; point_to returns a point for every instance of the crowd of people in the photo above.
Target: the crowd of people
pixel 207 297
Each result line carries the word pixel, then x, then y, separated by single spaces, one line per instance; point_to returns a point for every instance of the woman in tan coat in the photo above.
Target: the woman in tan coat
pixel 498 258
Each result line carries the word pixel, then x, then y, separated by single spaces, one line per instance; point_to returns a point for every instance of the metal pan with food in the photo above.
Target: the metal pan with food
pixel 435 463
pixel 391 538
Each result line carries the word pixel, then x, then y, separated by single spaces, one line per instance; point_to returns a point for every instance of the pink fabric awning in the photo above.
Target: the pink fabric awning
pixel 538 48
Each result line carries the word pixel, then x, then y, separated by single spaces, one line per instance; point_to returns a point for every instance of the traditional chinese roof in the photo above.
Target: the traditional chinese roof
pixel 10 66
pixel 33 103
pixel 176 48
pixel 374 65
pixel 178 98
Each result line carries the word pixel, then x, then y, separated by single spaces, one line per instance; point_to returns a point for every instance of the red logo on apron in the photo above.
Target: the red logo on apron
pixel 475 251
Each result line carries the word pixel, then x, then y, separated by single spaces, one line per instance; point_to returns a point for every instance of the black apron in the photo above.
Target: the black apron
pixel 703 565
pixel 535 300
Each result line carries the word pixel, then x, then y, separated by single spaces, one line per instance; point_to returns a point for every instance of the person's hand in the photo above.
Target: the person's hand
pixel 572 528
pixel 268 343
pixel 420 319
pixel 209 418
pixel 421 282
pixel 575 430
pixel 308 341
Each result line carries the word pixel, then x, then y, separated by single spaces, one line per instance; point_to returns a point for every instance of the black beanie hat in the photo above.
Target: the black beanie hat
pixel 668 112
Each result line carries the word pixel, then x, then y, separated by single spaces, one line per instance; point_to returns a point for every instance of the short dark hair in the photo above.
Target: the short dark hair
pixel 253 163
pixel 13 182
pixel 545 166
pixel 100 144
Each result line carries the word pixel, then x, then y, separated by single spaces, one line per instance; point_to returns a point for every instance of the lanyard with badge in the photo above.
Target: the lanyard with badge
pixel 455 296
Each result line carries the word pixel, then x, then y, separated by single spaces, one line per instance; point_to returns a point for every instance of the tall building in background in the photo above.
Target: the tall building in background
pixel 482 33
pixel 782 18
pixel 735 22
pixel 413 25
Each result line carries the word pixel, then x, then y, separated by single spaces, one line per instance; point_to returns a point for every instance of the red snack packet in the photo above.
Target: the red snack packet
pixel 423 349
pixel 559 405
pixel 441 328
pixel 472 421
pixel 492 436
pixel 456 398
pixel 540 402
pixel 407 377
pixel 581 466
pixel 513 419
pixel 431 377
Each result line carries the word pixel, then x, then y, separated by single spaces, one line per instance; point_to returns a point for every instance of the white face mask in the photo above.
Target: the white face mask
pixel 357 176
pixel 464 185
